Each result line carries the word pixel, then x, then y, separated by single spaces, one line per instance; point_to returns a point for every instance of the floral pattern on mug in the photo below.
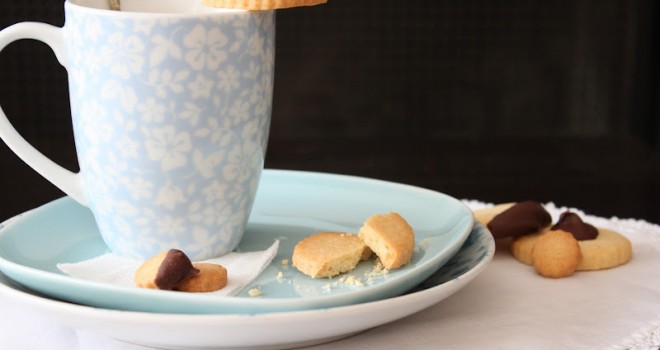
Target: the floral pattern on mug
pixel 171 119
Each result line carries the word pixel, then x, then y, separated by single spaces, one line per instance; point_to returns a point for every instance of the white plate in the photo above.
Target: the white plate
pixel 289 206
pixel 273 330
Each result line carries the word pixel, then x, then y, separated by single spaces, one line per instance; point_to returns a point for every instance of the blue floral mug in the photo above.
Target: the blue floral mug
pixel 171 114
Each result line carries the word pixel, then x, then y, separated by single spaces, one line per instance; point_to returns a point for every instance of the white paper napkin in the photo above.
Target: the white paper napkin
pixel 242 268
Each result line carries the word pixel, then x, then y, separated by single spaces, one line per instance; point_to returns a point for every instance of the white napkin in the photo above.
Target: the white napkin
pixel 242 268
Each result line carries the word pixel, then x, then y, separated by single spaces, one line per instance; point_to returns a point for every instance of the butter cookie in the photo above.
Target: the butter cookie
pixel 327 254
pixel 164 270
pixel 261 4
pixel 556 254
pixel 606 250
pixel 390 237
pixel 514 219
pixel 211 277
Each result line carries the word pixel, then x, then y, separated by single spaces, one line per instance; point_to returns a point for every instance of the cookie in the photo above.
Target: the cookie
pixel 261 4
pixel 485 215
pixel 327 254
pixel 608 249
pixel 114 5
pixel 520 219
pixel 390 237
pixel 165 270
pixel 556 254
pixel 211 277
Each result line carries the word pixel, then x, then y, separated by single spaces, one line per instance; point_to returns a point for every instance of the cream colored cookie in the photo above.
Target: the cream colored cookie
pixel 390 237
pixel 261 4
pixel 327 254
pixel 486 214
pixel 211 277
pixel 114 5
pixel 609 249
pixel 556 254
pixel 164 270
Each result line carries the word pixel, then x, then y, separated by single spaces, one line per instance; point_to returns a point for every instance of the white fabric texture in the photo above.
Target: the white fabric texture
pixel 242 268
pixel 508 306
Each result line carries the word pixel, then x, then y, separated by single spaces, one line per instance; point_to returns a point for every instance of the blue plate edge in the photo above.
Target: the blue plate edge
pixel 15 270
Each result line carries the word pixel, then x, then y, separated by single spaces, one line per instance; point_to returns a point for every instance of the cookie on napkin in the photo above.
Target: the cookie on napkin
pixel 601 249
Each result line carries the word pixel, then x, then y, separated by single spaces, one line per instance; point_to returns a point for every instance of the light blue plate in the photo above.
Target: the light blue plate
pixel 275 330
pixel 290 205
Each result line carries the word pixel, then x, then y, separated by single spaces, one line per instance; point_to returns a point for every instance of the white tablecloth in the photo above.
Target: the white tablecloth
pixel 508 306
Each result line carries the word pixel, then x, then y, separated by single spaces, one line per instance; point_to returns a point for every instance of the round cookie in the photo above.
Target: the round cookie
pixel 556 254
pixel 609 249
pixel 211 277
pixel 164 270
pixel 261 4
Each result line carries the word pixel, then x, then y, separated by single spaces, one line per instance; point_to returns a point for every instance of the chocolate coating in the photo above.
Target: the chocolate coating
pixel 571 222
pixel 522 218
pixel 175 268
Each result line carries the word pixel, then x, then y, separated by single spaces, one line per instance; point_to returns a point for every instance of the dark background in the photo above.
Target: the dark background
pixel 482 99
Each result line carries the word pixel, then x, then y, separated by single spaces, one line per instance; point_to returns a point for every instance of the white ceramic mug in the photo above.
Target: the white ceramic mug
pixel 171 113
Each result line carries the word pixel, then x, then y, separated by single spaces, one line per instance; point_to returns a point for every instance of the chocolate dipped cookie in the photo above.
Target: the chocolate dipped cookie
pixel 600 248
pixel 514 219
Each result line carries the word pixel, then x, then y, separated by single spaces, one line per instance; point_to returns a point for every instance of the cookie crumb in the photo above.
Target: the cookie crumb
pixel 351 280
pixel 377 271
pixel 285 262
pixel 280 276
pixel 254 292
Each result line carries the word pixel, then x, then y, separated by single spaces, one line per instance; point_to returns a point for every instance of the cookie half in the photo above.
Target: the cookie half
pixel 261 4
pixel 327 254
pixel 390 237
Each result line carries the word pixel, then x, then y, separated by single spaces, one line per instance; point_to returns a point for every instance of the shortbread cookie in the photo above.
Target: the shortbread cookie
pixel 114 5
pixel 327 254
pixel 556 254
pixel 261 4
pixel 485 215
pixel 165 270
pixel 390 237
pixel 520 219
pixel 211 277
pixel 608 249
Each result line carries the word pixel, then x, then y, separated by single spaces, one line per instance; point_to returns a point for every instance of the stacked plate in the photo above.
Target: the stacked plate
pixel 292 311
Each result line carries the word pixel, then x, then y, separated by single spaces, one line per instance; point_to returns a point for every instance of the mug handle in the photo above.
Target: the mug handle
pixel 67 181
